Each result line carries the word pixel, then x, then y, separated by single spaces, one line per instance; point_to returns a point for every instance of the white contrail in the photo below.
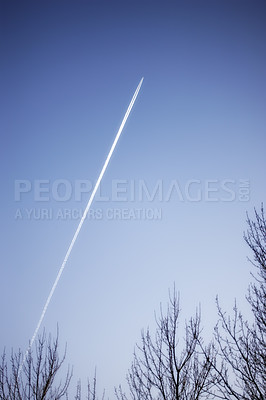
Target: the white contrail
pixel 81 222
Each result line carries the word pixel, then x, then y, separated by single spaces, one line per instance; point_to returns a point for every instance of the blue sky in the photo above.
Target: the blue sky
pixel 68 72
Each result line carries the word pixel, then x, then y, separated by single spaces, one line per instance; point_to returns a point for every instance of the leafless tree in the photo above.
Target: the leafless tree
pixel 91 390
pixel 256 240
pixel 36 378
pixel 160 371
pixel 163 368
pixel 242 345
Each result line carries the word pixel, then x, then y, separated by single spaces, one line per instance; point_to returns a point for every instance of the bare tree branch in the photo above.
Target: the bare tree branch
pixel 160 371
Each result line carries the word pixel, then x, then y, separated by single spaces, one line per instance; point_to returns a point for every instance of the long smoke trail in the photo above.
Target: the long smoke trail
pixel 81 223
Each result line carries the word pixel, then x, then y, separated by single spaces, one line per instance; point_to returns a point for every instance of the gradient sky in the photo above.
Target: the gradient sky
pixel 68 72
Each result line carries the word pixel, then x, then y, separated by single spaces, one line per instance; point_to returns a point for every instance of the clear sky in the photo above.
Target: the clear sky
pixel 190 163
